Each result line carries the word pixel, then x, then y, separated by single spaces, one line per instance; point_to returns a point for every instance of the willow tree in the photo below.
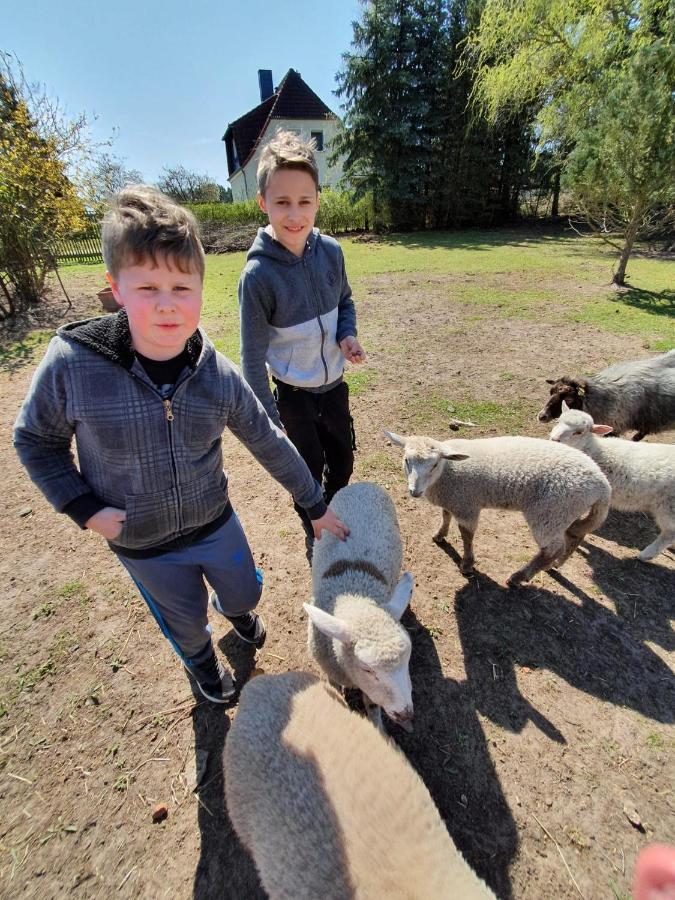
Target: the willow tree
pixel 600 77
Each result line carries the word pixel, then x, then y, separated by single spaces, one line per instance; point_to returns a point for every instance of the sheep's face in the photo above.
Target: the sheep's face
pixel 572 428
pixel 380 668
pixel 372 647
pixel 423 459
pixel 422 466
pixel 567 390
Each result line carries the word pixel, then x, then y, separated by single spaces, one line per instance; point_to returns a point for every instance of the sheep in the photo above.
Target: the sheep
pixel 636 395
pixel 553 491
pixel 642 477
pixel 328 807
pixel 354 632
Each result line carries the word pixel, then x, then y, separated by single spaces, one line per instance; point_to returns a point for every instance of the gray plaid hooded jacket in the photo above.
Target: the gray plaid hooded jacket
pixel 158 459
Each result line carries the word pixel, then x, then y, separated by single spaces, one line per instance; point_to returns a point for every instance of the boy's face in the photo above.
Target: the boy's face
pixel 291 202
pixel 163 305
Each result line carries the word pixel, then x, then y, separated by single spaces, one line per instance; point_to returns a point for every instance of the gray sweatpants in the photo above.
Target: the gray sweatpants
pixel 173 586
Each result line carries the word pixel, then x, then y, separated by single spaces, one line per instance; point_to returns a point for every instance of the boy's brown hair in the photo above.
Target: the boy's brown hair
pixel 287 150
pixel 143 224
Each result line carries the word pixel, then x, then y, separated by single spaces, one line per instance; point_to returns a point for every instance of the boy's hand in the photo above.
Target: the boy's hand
pixel 352 350
pixel 331 523
pixel 107 522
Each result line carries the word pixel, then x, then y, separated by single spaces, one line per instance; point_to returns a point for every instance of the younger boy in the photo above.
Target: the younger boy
pixel 297 316
pixel 147 397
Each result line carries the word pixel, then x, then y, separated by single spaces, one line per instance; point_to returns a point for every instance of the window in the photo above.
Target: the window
pixel 317 136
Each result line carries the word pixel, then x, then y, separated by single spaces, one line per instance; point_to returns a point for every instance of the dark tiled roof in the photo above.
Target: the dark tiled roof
pixel 293 99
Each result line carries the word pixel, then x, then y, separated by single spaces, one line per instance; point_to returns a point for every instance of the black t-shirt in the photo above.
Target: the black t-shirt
pixel 164 372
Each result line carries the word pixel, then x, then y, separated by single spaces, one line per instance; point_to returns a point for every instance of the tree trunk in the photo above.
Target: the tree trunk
pixel 631 233
pixel 556 193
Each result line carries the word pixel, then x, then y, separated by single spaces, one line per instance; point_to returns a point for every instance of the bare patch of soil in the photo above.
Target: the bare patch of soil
pixel 541 713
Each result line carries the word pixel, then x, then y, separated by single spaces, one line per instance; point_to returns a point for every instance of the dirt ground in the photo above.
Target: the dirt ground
pixel 543 724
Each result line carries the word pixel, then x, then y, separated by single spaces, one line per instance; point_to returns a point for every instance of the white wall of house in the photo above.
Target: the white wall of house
pixel 243 182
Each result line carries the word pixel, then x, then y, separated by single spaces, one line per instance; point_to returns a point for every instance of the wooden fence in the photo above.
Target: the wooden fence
pixel 83 247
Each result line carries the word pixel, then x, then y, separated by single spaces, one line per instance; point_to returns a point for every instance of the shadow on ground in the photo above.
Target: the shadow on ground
pixel 449 751
pixel 225 870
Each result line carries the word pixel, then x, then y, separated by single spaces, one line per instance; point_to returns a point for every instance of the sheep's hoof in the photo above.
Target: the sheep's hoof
pixel 467 569
pixel 515 580
pixel 438 539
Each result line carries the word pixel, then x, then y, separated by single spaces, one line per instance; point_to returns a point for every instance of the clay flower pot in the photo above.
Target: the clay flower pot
pixel 107 300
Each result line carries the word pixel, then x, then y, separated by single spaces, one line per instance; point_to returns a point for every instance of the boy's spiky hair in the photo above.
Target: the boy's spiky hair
pixel 287 150
pixel 144 224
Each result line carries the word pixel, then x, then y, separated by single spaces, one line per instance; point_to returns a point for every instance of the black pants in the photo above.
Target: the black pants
pixel 321 428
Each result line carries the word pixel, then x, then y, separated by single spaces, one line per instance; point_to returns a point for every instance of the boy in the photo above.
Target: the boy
pixel 147 397
pixel 297 316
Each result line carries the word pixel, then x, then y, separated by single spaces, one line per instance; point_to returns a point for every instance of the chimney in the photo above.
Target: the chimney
pixel 265 83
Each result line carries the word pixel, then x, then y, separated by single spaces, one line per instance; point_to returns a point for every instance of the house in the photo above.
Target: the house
pixel 292 106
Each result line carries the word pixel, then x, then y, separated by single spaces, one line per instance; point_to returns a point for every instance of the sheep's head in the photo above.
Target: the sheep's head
pixel 574 426
pixel 568 390
pixel 423 460
pixel 373 647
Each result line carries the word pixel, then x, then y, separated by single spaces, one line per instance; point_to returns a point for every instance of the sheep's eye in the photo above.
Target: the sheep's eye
pixel 406 466
pixel 578 432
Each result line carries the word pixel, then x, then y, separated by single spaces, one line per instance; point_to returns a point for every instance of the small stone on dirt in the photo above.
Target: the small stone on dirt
pixel 25 511
pixel 159 813
pixel 633 818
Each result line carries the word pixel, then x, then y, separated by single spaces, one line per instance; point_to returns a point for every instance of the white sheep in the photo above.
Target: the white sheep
pixel 553 486
pixel 642 476
pixel 328 807
pixel 354 630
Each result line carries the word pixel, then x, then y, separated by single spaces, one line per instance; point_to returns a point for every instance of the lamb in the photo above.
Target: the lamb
pixel 328 807
pixel 636 395
pixel 642 477
pixel 553 491
pixel 354 630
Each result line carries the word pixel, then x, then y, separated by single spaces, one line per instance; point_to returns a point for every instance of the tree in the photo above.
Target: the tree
pixel 38 202
pixel 189 187
pixel 409 140
pixel 599 78
pixel 105 178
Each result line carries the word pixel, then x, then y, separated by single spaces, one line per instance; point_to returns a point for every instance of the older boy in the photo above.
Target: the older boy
pixel 147 398
pixel 297 317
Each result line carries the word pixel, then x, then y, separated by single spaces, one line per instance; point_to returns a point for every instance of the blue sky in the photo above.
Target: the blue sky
pixel 170 75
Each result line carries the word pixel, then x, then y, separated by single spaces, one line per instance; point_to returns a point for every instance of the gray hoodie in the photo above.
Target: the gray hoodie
pixel 294 313
pixel 158 458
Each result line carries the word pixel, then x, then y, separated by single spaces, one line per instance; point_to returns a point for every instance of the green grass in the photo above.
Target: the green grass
pixel 510 273
pixel 359 380
pixel 433 412
pixel 504 272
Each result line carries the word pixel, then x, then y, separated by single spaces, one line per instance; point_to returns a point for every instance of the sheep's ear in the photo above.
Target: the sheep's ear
pixel 329 625
pixel 601 429
pixel 450 454
pixel 394 438
pixel 565 407
pixel 400 599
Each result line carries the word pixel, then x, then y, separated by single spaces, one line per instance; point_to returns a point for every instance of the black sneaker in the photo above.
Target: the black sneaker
pixel 250 627
pixel 213 680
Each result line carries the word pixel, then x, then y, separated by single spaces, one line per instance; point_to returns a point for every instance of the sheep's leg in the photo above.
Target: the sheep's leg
pixel 543 560
pixel 374 713
pixel 578 530
pixel 442 532
pixel 467 532
pixel 665 540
